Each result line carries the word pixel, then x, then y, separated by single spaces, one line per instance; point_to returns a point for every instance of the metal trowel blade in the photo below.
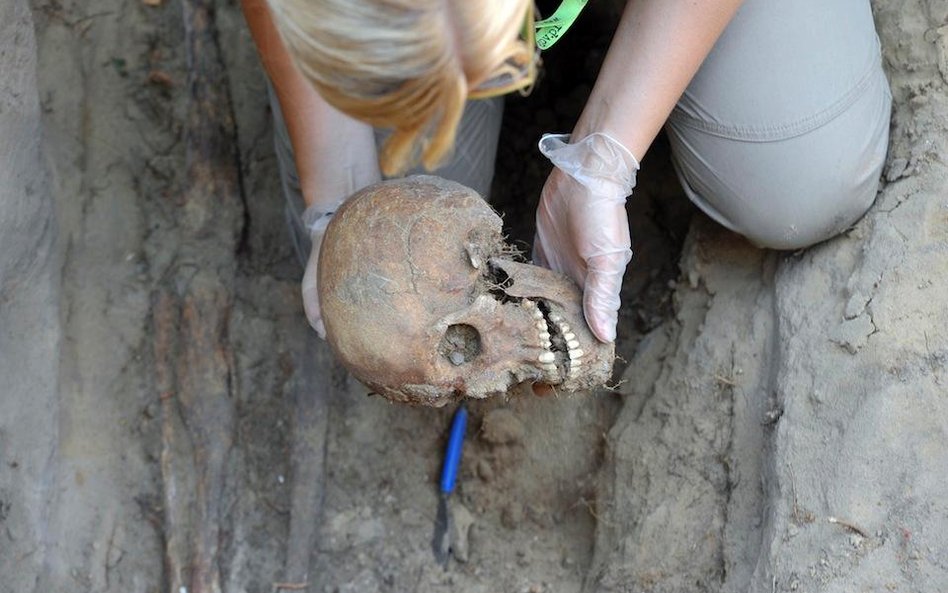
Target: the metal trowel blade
pixel 441 544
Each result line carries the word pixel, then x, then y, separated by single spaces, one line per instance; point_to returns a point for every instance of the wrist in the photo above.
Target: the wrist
pixel 316 218
pixel 597 161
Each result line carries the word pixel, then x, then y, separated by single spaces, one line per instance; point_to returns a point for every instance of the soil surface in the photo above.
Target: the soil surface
pixel 697 472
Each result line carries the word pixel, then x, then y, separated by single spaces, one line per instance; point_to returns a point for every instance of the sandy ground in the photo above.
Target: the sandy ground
pixel 781 424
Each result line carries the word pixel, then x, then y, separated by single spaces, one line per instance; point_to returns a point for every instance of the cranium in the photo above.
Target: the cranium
pixel 424 302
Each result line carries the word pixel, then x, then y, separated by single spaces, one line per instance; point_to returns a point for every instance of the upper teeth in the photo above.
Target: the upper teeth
pixel 547 358
pixel 531 306
pixel 574 352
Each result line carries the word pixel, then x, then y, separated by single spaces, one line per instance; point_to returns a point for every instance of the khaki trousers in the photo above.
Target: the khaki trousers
pixel 781 135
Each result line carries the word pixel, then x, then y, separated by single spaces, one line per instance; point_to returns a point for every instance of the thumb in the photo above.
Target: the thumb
pixel 310 290
pixel 539 255
pixel 601 293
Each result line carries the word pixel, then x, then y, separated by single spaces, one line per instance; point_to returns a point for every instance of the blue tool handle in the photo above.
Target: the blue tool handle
pixel 452 456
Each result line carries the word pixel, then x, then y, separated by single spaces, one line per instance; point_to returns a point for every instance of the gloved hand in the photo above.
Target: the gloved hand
pixel 582 226
pixel 315 219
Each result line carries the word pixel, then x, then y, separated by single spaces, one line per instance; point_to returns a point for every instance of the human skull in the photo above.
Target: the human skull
pixel 424 302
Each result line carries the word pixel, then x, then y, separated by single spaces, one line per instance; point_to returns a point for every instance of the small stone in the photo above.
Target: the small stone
pixel 855 306
pixel 540 516
pixel 485 470
pixel 694 278
pixel 896 169
pixel 502 427
pixel 512 515
pixel 460 536
pixel 852 334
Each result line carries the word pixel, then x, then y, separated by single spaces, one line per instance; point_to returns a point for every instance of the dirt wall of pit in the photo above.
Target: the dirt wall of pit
pixel 781 426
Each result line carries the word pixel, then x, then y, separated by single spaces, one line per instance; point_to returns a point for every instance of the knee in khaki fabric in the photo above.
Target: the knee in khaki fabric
pixel 793 192
pixel 781 136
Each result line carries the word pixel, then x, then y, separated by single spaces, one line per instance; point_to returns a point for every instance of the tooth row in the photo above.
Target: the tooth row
pixel 544 333
pixel 572 344
pixel 532 306
pixel 547 359
pixel 573 350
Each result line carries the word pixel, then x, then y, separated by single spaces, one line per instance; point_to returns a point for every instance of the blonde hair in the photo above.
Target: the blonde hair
pixel 407 65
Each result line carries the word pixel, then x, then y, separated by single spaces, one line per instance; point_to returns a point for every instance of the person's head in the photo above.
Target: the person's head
pixel 408 65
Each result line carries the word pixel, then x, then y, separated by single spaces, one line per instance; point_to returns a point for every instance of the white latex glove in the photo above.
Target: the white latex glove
pixel 582 226
pixel 315 219
pixel 345 162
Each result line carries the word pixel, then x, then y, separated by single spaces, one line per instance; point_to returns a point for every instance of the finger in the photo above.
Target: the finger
pixel 539 256
pixel 601 317
pixel 311 307
pixel 310 294
pixel 601 295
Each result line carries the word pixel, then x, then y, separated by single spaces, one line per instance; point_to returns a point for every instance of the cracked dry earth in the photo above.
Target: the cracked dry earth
pixel 169 421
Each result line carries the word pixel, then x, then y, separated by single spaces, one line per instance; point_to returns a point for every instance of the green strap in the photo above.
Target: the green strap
pixel 551 29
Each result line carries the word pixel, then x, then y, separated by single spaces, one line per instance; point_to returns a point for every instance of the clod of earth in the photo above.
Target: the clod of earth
pixel 425 302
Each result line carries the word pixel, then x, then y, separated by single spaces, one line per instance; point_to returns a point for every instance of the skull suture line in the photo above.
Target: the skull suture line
pixel 424 302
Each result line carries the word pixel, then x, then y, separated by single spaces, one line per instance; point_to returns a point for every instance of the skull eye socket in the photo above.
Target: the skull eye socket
pixel 460 344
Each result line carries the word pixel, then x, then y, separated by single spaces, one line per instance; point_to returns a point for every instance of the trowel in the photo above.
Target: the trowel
pixel 444 523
